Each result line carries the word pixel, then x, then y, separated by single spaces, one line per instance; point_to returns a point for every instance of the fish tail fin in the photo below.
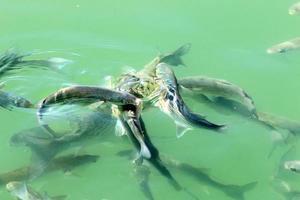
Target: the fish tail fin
pixel 199 120
pixel 182 50
pixel 237 192
pixel 175 57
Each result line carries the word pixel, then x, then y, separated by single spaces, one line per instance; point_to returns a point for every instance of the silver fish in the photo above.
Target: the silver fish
pixel 292 165
pixel 171 103
pixel 12 60
pixel 202 175
pixel 9 100
pixel 22 191
pixel 285 46
pixel 212 87
pixel 294 9
pixel 64 163
pixel 279 122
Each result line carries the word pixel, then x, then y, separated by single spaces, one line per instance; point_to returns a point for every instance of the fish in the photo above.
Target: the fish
pixel 142 173
pixel 9 100
pixel 136 130
pixel 65 163
pixel 292 165
pixel 11 61
pixel 92 128
pixel 202 175
pixel 171 103
pixel 216 90
pixel 22 191
pixel 285 46
pixel 172 58
pixel 279 122
pixel 294 9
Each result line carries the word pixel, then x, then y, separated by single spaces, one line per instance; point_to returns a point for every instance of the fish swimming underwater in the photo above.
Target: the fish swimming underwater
pixel 9 100
pixel 294 9
pixel 91 128
pixel 285 46
pixel 172 103
pixel 233 191
pixel 292 165
pixel 11 61
pixel 278 122
pixel 22 191
pixel 64 163
pixel 142 173
pixel 214 88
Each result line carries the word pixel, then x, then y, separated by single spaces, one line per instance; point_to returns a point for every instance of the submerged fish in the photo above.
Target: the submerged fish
pixel 279 122
pixel 294 9
pixel 22 191
pixel 44 147
pixel 214 88
pixel 64 163
pixel 171 103
pixel 292 165
pixel 233 191
pixel 285 46
pixel 9 100
pixel 11 60
pixel 142 173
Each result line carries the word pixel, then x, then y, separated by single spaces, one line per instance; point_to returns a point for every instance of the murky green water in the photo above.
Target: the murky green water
pixel 229 41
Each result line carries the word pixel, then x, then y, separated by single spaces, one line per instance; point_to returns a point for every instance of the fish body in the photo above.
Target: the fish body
pixel 279 122
pixel 292 165
pixel 44 147
pixel 12 60
pixel 294 9
pixel 171 103
pixel 64 163
pixel 285 46
pixel 202 175
pixel 142 173
pixel 22 191
pixel 8 101
pixel 217 88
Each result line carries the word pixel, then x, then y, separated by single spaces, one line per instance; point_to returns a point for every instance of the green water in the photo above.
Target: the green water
pixel 229 41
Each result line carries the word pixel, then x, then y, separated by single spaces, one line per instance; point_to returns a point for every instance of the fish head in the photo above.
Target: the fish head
pixel 23 103
pixel 281 48
pixel 293 165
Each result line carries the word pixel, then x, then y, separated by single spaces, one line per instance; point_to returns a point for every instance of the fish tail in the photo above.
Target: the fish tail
pixel 175 57
pixel 198 120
